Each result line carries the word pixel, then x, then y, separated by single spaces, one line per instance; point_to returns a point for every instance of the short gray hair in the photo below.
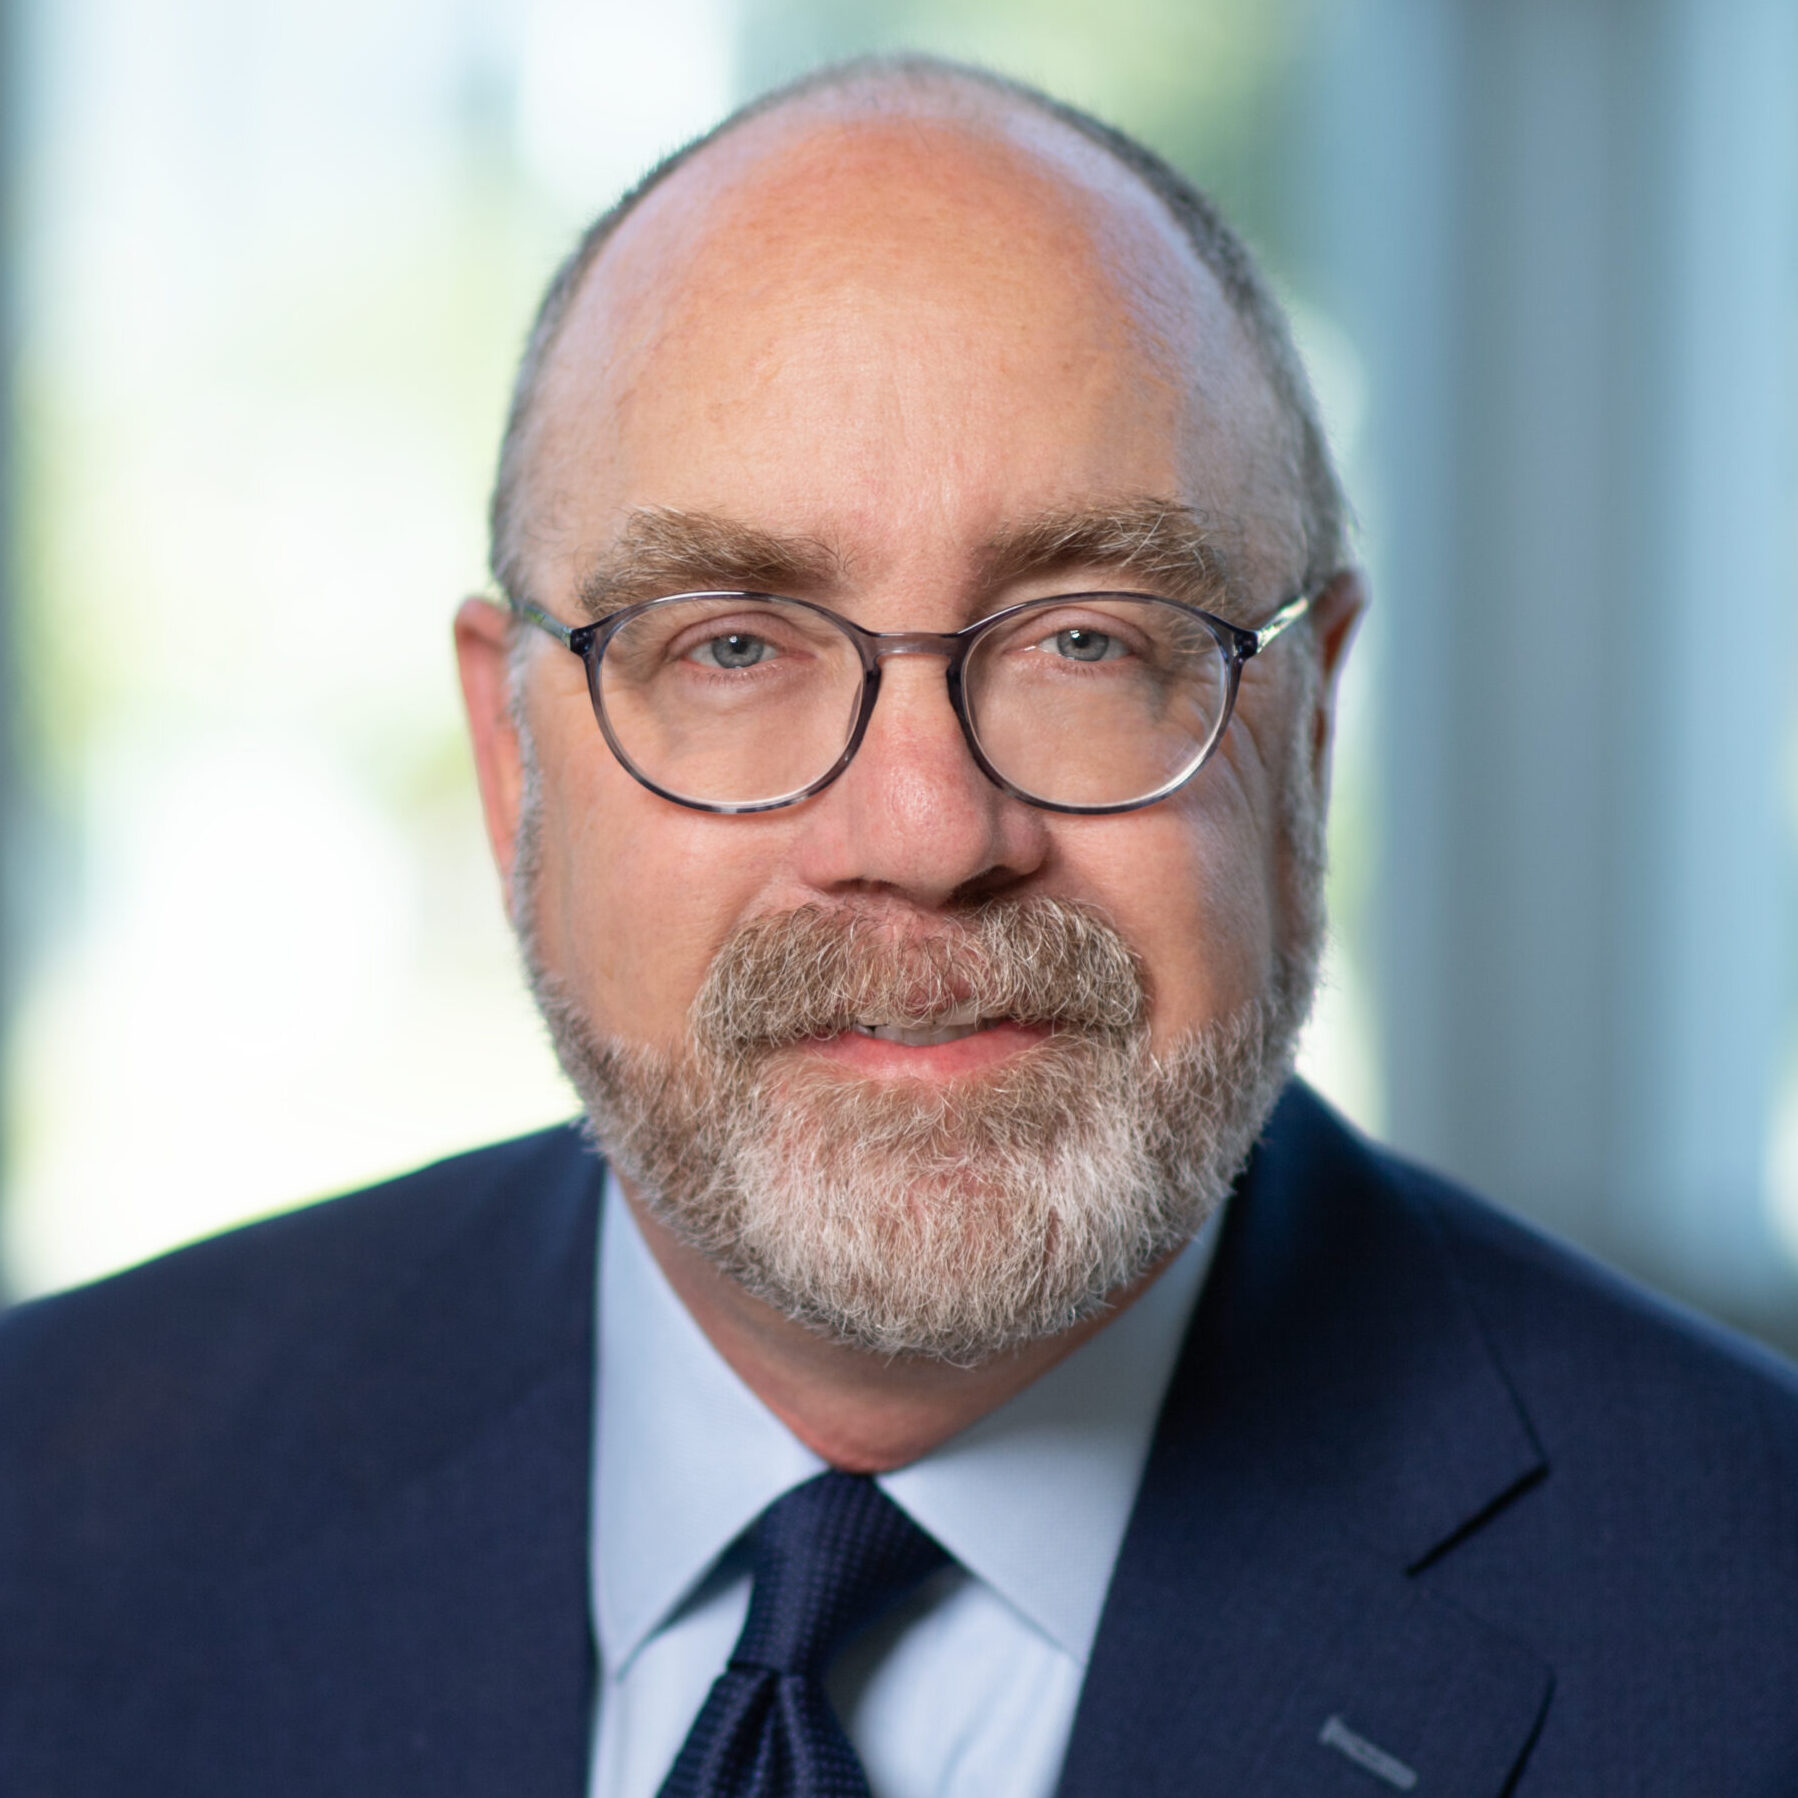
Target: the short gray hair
pixel 1309 467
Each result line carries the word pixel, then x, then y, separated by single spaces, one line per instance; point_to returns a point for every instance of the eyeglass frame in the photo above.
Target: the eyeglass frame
pixel 1240 644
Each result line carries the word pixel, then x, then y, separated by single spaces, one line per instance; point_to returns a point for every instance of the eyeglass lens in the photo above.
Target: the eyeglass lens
pixel 1092 700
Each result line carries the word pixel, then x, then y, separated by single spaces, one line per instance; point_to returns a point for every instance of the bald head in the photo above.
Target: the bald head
pixel 891 193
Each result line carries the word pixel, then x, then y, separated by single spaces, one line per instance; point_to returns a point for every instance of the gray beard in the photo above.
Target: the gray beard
pixel 951 1220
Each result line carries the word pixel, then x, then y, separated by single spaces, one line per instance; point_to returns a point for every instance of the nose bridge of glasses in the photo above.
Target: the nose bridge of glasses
pixel 951 646
pixel 914 643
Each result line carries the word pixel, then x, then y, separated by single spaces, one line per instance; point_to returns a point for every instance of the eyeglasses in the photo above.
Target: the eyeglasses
pixel 1085 702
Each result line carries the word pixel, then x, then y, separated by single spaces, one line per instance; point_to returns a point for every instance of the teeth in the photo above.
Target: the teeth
pixel 951 1027
pixel 924 1038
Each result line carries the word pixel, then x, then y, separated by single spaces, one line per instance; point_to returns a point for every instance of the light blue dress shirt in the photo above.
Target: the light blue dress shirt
pixel 969 1689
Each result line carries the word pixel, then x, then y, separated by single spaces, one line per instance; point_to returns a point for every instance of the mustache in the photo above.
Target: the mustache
pixel 820 970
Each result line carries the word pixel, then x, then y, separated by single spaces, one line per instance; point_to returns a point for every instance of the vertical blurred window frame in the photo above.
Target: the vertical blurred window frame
pixel 11 833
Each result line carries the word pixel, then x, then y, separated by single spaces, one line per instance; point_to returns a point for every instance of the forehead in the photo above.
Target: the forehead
pixel 877 292
pixel 988 204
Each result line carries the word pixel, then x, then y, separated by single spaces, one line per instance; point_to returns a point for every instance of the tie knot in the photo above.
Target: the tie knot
pixel 830 1557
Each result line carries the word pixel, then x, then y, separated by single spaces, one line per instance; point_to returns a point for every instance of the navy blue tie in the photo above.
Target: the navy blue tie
pixel 830 1557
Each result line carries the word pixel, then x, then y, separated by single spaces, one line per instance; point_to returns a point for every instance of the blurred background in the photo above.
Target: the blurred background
pixel 266 268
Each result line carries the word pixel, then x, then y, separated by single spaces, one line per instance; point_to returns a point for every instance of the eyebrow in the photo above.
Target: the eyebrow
pixel 663 550
pixel 1158 541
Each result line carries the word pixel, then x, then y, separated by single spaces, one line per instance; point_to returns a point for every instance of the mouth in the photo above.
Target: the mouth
pixel 945 1047
pixel 952 1027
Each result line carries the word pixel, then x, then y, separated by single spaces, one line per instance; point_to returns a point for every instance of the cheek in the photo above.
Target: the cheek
pixel 1191 885
pixel 635 897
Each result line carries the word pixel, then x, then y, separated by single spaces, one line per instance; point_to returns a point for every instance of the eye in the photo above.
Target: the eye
pixel 733 649
pixel 1081 643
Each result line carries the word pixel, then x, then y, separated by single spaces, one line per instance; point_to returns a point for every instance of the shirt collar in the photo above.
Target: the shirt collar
pixel 1033 1499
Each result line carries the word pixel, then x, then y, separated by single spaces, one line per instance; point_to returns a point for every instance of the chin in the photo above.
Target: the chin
pixel 951 1219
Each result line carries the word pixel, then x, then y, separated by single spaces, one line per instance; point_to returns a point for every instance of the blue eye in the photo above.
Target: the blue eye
pixel 735 649
pixel 1078 643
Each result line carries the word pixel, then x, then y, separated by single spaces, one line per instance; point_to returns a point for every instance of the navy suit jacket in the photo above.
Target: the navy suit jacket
pixel 1433 1506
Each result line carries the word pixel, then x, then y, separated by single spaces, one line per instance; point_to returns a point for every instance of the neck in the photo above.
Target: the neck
pixel 860 1412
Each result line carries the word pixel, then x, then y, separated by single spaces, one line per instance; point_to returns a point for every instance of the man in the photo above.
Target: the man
pixel 927 1023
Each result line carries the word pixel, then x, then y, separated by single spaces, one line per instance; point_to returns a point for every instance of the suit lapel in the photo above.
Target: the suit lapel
pixel 1336 1423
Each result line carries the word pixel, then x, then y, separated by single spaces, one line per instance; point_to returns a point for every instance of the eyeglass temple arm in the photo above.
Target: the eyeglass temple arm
pixel 543 620
pixel 1290 613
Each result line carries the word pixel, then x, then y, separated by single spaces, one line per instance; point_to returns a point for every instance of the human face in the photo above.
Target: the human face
pixel 870 355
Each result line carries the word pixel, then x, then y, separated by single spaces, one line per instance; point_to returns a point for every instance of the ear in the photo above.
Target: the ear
pixel 483 652
pixel 1334 616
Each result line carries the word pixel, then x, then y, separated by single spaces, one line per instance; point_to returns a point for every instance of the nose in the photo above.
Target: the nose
pixel 913 817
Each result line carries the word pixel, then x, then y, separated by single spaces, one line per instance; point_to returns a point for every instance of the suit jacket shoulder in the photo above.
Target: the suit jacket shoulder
pixel 267 1489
